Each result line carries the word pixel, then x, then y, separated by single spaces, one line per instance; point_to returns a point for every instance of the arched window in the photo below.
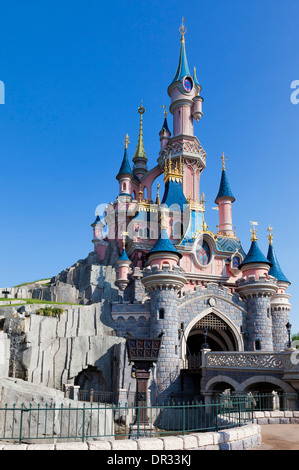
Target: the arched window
pixel 134 195
pixel 203 253
pixel 124 187
pixel 145 192
pixel 235 262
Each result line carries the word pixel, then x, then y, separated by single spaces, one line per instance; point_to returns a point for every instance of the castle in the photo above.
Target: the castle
pixel 157 270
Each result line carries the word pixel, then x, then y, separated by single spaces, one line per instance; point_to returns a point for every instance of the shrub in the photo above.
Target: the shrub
pixel 50 311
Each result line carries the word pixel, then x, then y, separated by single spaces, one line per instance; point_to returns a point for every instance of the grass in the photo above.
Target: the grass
pixel 33 282
pixel 34 301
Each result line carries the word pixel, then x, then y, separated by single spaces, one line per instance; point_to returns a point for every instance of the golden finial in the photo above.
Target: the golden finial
pixel 182 28
pixel 158 195
pixel 253 231
pixel 124 234
pixel 140 192
pixel 270 236
pixel 165 110
pixel 223 158
pixel 141 109
pixel 126 141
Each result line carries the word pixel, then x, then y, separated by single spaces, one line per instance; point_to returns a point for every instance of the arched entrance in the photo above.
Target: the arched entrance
pixel 215 329
pixel 211 330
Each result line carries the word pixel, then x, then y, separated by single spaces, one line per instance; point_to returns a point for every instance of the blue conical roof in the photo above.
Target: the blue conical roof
pixel 124 256
pixel 275 270
pixel 224 189
pixel 255 255
pixel 125 168
pixel 163 244
pixel 183 68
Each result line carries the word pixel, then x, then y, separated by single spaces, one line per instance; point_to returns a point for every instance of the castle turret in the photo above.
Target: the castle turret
pixel 140 158
pixel 100 246
pixel 257 289
pixel 164 132
pixel 125 174
pixel 123 264
pixel 162 279
pixel 224 200
pixel 280 306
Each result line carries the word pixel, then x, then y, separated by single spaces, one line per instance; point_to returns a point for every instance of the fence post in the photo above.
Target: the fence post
pixel 83 424
pixel 91 395
pixel 21 424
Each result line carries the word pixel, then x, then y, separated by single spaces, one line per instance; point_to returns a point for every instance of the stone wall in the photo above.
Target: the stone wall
pixel 241 438
pixel 53 351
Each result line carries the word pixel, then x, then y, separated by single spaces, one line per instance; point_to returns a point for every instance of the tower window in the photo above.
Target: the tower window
pixel 257 345
pixel 161 314
pixel 236 262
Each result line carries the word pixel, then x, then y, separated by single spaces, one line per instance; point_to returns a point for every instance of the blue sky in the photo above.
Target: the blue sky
pixel 75 73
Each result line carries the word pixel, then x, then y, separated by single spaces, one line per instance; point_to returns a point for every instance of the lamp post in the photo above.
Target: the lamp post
pixel 205 344
pixel 143 352
pixel 289 327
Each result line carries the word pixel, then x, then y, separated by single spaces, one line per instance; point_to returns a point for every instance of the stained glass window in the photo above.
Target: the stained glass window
pixel 203 253
pixel 236 261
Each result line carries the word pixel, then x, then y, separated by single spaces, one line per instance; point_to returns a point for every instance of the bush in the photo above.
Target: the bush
pixel 50 311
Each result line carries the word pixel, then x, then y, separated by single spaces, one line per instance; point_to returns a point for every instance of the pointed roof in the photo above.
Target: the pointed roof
pixel 255 255
pixel 140 150
pixel 224 189
pixel 195 77
pixel 275 270
pixel 165 126
pixel 183 68
pixel 163 244
pixel 125 168
pixel 124 256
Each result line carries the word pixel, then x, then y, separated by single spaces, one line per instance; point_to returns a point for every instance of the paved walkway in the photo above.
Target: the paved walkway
pixel 279 437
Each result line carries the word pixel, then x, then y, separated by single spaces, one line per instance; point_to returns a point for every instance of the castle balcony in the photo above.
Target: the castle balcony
pixel 284 364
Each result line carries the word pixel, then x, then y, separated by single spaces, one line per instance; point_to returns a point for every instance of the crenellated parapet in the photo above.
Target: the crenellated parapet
pixel 166 278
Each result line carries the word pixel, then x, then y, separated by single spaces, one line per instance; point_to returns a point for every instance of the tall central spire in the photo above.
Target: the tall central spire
pixel 140 158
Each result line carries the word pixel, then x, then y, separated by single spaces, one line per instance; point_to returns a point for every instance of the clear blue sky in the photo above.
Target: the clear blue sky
pixel 75 73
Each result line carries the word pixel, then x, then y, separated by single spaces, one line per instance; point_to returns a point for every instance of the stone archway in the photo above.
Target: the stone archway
pixel 253 382
pixel 223 335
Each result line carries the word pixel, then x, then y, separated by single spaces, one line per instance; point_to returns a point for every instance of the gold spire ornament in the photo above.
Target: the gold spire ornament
pixel 253 231
pixel 165 110
pixel 126 141
pixel 140 192
pixel 182 29
pixel 124 234
pixel 223 158
pixel 158 194
pixel 270 236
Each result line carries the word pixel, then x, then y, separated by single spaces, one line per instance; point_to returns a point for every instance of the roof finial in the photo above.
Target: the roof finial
pixel 270 236
pixel 126 141
pixel 158 194
pixel 182 29
pixel 165 110
pixel 223 158
pixel 124 234
pixel 253 231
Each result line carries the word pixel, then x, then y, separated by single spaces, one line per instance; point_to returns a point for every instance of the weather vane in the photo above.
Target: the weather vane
pixel 182 28
pixel 223 158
